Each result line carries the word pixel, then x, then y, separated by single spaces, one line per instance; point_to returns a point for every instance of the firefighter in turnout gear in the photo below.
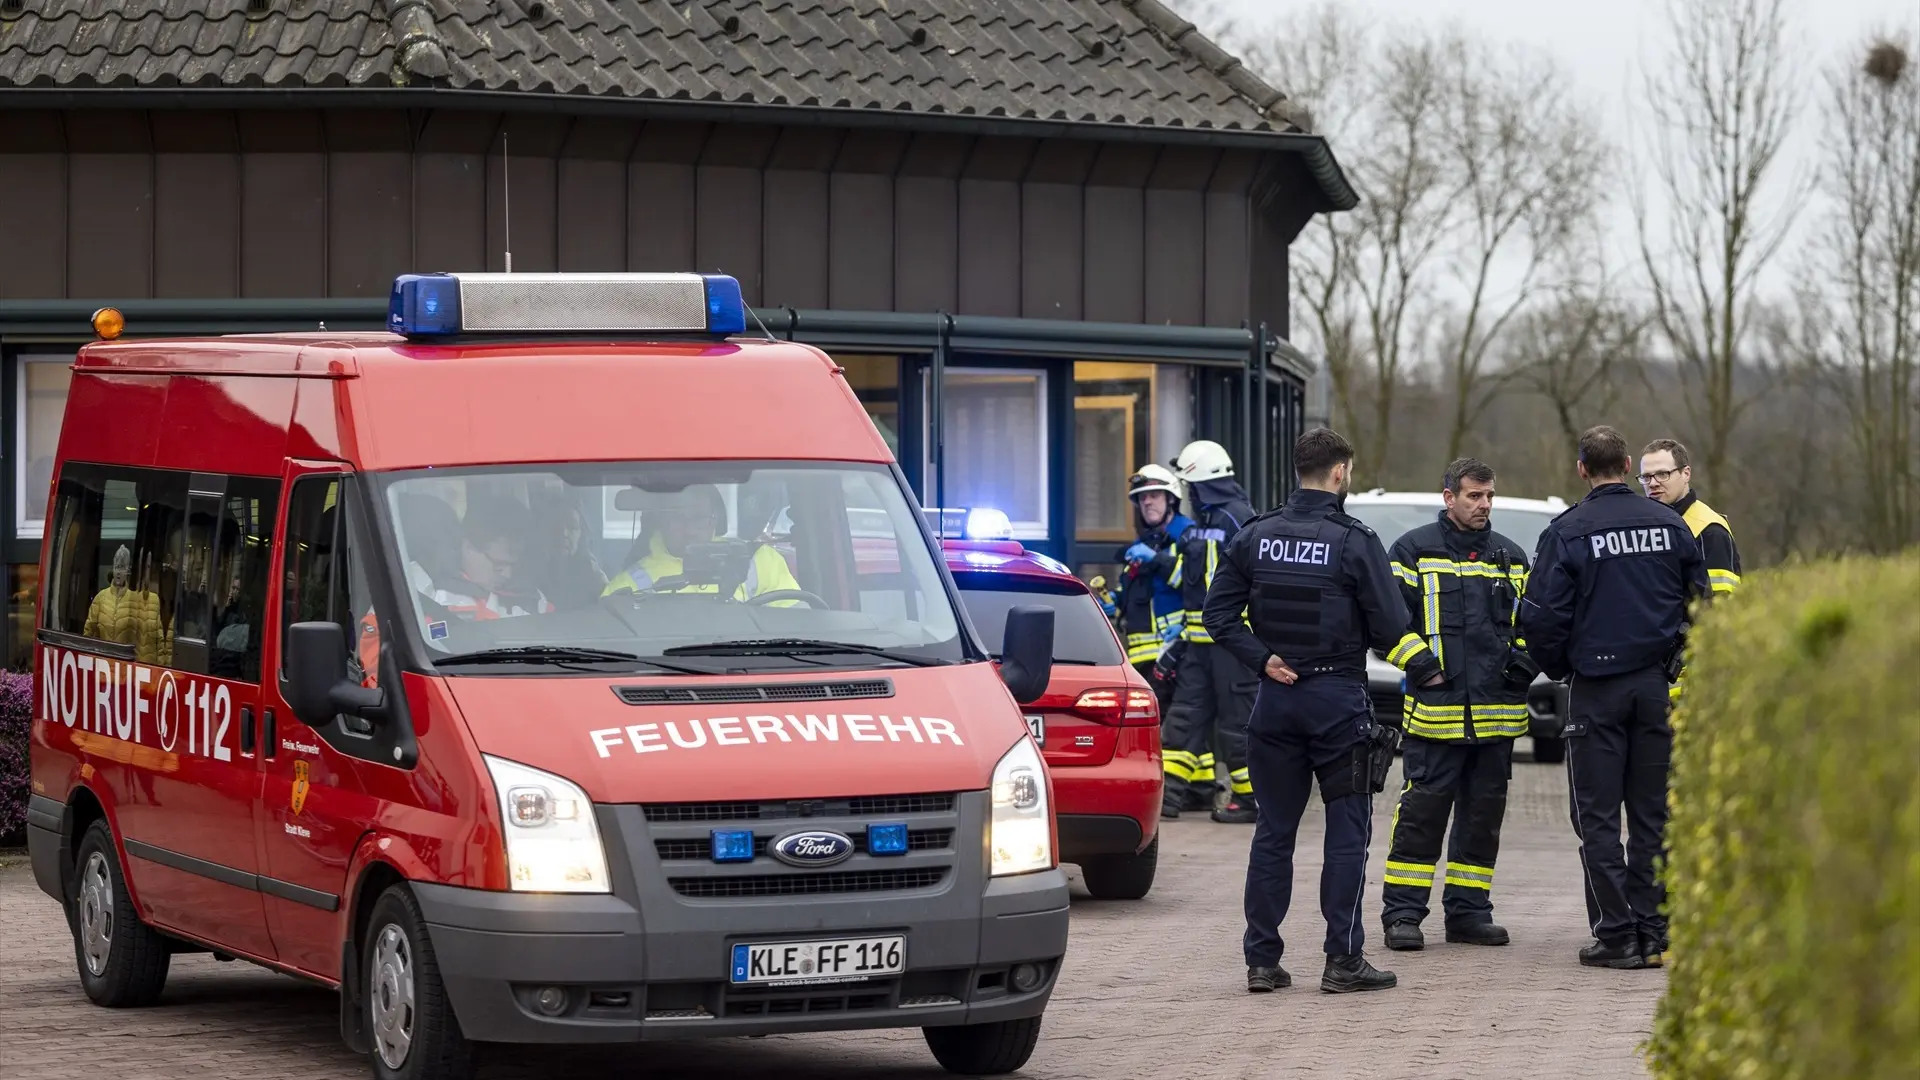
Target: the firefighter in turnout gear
pixel 1212 692
pixel 1666 474
pixel 1462 583
pixel 1148 605
pixel 1613 580
pixel 1302 593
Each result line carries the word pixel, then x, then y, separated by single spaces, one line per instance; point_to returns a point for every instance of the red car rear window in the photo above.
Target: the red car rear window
pixel 1081 633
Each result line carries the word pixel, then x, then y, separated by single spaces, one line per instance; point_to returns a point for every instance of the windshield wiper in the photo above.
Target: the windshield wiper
pixel 796 647
pixel 558 654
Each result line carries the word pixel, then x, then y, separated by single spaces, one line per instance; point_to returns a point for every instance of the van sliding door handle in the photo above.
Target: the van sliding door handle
pixel 270 738
pixel 246 729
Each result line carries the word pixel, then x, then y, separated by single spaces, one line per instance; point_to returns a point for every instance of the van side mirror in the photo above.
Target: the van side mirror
pixel 1026 653
pixel 317 686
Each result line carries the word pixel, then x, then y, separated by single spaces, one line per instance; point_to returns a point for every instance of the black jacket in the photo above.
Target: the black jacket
pixel 1318 578
pixel 1463 589
pixel 1612 580
pixel 1220 510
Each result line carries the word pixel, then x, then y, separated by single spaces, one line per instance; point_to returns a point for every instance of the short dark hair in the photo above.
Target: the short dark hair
pixel 495 517
pixel 1316 452
pixel 1466 468
pixel 1672 446
pixel 1603 451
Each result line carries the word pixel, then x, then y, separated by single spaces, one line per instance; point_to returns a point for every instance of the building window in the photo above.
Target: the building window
pixel 23 586
pixel 1112 436
pixel 995 431
pixel 876 382
pixel 44 380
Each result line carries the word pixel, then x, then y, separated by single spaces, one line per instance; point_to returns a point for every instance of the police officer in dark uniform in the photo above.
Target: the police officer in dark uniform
pixel 1607 608
pixel 1317 592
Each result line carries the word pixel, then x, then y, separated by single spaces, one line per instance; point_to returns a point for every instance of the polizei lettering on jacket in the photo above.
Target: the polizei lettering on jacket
pixel 1650 541
pixel 1299 552
pixel 697 734
pixel 137 703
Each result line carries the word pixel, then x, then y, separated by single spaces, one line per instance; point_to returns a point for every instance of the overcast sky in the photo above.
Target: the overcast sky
pixel 1601 44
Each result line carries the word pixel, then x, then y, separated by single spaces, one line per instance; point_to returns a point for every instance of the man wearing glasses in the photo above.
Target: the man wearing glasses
pixel 1666 473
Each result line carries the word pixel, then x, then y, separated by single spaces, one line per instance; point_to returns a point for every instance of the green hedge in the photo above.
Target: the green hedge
pixel 1794 849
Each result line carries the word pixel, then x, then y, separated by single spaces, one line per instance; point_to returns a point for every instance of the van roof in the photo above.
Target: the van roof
pixel 407 404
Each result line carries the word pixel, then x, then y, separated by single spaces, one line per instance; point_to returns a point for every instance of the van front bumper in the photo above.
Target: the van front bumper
pixel 650 962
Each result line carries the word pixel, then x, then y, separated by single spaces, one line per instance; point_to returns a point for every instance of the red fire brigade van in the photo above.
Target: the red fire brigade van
pixel 516 672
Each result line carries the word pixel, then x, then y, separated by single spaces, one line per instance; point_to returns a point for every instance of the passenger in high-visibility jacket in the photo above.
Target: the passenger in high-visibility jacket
pixel 1666 473
pixel 1148 605
pixel 697 515
pixel 1462 583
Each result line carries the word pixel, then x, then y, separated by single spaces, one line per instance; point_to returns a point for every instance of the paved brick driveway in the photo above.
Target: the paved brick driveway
pixel 1151 989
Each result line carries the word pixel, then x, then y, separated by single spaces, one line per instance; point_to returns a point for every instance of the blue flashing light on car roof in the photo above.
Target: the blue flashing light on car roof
pixel 427 306
pixel 986 523
pixel 977 523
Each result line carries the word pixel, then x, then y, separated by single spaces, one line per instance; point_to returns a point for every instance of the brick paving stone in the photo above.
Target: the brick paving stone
pixel 1152 988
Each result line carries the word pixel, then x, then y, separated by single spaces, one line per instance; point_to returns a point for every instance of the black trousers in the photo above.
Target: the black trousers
pixel 1207 723
pixel 1469 781
pixel 1619 746
pixel 1296 730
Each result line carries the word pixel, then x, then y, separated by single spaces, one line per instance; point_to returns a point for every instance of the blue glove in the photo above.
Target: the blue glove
pixel 1140 553
pixel 1171 634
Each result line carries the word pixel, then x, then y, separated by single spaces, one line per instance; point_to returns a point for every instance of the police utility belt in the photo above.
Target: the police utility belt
pixel 1363 770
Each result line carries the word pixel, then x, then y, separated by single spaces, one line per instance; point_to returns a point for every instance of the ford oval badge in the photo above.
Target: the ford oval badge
pixel 814 848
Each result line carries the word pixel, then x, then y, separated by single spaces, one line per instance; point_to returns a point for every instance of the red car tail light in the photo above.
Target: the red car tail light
pixel 1119 706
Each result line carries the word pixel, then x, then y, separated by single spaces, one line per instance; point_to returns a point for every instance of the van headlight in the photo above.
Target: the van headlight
pixel 1020 835
pixel 553 844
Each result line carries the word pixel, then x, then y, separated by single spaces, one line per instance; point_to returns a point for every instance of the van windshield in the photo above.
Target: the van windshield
pixel 768 564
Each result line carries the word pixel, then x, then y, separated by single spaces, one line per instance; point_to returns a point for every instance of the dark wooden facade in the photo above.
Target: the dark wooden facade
pixel 112 206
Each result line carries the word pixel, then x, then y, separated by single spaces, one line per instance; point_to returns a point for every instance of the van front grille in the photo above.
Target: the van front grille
pixel 848 881
pixel 864 806
pixel 684 849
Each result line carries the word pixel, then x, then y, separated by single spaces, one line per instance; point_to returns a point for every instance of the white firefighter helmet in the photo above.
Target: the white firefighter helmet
pixel 1152 477
pixel 1202 459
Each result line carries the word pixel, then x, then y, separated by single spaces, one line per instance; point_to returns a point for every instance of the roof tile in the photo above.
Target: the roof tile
pixel 1033 58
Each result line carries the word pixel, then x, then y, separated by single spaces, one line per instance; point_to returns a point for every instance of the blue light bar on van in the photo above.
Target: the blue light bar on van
pixel 442 305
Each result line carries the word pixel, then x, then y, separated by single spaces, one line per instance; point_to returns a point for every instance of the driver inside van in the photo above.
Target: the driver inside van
pixel 671 524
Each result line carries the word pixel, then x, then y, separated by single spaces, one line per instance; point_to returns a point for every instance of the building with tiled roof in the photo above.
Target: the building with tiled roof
pixel 1065 221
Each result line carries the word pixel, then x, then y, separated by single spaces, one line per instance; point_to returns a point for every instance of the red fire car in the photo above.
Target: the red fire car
pixel 1098 724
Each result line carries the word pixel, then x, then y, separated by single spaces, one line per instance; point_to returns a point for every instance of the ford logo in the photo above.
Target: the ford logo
pixel 811 849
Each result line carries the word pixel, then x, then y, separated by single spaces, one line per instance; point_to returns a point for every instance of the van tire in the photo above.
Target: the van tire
pixel 1122 877
pixel 396 955
pixel 133 966
pixel 984 1049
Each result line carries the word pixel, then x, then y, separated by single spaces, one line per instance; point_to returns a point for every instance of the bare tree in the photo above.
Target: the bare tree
pixel 1530 162
pixel 1723 106
pixel 1575 351
pixel 1869 256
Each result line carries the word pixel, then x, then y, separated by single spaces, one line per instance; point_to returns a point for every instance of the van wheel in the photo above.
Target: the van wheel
pixel 984 1049
pixel 414 1033
pixel 1122 877
pixel 123 961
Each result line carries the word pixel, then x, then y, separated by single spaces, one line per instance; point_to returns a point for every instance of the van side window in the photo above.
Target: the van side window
pixel 115 571
pixel 243 564
pixel 313 532
pixel 323 583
